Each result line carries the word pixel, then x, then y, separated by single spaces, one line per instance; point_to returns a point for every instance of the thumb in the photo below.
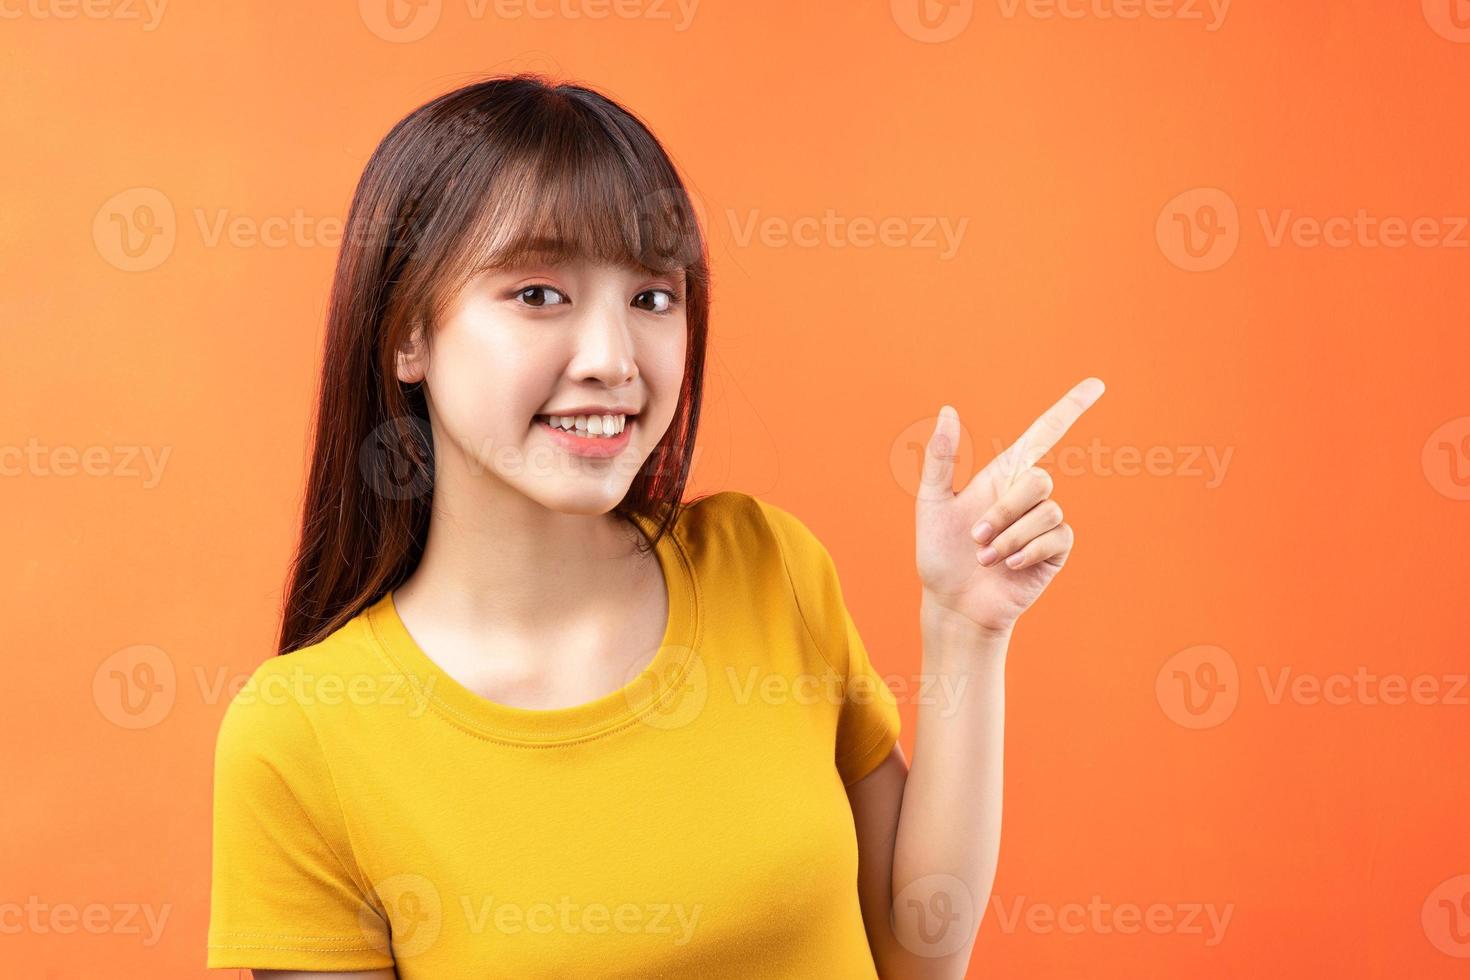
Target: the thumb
pixel 937 480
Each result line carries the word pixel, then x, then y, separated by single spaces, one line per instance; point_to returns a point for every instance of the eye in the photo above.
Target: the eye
pixel 670 299
pixel 538 296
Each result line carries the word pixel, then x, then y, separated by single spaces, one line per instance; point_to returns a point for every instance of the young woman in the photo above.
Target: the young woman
pixel 538 716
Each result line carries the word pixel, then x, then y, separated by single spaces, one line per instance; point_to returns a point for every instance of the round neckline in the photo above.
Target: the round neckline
pixel 548 726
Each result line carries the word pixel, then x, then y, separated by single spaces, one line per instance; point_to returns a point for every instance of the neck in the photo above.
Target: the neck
pixel 498 560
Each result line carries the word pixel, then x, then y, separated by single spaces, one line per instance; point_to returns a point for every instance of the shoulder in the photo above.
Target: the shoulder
pixel 763 552
pixel 276 711
pixel 767 532
pixel 738 520
pixel 749 543
pixel 730 515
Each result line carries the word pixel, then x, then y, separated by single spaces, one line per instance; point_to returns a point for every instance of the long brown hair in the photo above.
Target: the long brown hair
pixel 479 177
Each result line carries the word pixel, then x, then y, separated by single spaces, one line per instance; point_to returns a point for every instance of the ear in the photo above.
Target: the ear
pixel 412 357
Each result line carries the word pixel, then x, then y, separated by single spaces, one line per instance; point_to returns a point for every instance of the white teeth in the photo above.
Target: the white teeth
pixel 589 426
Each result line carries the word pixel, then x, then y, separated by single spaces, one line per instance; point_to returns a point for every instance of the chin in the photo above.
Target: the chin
pixel 590 499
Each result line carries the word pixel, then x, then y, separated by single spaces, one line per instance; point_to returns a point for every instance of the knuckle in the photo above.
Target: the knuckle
pixel 1041 479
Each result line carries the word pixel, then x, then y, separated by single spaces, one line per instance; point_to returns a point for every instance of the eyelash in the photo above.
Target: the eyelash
pixel 676 296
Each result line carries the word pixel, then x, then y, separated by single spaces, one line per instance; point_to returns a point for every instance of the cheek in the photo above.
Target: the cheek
pixel 484 387
pixel 662 365
pixel 661 369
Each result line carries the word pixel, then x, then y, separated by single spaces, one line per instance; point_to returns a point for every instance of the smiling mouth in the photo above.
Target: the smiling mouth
pixel 592 428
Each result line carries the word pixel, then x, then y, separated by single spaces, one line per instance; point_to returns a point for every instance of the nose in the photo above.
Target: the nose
pixel 603 346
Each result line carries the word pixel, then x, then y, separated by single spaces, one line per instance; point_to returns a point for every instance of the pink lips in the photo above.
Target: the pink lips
pixel 591 448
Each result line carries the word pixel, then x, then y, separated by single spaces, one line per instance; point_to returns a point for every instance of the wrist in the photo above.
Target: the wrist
pixel 938 622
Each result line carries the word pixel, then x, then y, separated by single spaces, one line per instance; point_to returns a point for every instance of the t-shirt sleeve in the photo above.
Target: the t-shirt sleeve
pixel 285 890
pixel 868 723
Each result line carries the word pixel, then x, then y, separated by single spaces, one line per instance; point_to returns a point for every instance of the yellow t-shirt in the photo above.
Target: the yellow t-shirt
pixel 370 811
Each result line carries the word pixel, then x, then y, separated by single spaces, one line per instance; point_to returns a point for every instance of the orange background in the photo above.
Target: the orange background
pixel 1331 538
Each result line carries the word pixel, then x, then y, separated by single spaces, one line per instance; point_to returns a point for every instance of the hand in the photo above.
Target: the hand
pixel 960 573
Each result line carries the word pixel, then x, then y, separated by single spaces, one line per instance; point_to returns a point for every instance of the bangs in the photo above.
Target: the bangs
pixel 578 198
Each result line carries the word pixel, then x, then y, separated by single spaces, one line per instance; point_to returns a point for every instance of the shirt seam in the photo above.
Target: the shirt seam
pixel 355 869
pixel 796 595
pixel 326 944
pixel 297 948
pixel 877 740
pixel 222 933
pixel 883 733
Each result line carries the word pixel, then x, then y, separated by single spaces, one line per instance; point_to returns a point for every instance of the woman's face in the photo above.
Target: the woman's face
pixel 521 344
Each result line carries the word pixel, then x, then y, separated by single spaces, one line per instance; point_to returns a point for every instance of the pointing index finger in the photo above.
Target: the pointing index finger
pixel 1048 430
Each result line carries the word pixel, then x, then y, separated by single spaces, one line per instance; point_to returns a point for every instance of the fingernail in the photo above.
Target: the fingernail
pixel 981 531
pixel 987 555
pixel 1015 559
